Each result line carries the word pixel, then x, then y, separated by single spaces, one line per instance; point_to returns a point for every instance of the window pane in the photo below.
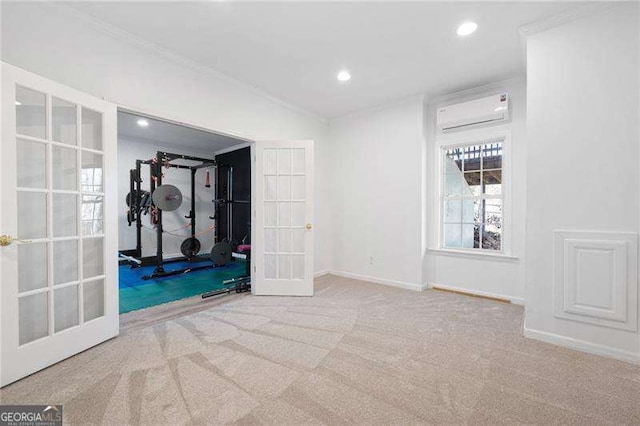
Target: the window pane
pixel 92 215
pixel 33 317
pixel 32 164
pixel 491 237
pixel 65 308
pixel 93 299
pixel 91 172
pixel 472 157
pixel 453 160
pixel 472 185
pixel 64 168
pixel 493 212
pixel 64 209
pixel 470 235
pixel 471 210
pixel 492 156
pixel 452 235
pixel 453 184
pixel 453 211
pixel 492 180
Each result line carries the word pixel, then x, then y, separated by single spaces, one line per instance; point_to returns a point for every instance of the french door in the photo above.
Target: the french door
pixel 282 249
pixel 58 263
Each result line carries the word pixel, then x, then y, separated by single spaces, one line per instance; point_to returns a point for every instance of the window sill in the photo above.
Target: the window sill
pixel 474 254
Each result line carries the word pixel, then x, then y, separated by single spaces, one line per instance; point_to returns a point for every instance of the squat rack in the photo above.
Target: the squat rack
pixel 156 164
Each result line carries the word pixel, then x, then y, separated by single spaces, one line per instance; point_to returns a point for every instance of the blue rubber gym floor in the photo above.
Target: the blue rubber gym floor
pixel 136 293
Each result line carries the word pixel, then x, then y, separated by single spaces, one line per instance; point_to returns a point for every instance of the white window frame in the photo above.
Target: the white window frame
pixel 476 137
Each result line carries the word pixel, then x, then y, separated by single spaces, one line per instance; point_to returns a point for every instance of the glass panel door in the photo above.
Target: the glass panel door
pixel 61 301
pixel 283 256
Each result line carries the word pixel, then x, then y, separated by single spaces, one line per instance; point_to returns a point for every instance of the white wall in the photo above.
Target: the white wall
pixel 377 191
pixel 130 150
pixel 51 41
pixel 498 276
pixel 583 114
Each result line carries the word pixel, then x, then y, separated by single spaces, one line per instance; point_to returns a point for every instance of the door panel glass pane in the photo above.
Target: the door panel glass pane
pixel 91 178
pixel 65 308
pixel 453 235
pixel 284 266
pixel 297 240
pixel 297 161
pixel 284 187
pixel 65 175
pixel 32 266
pixel 284 214
pixel 297 214
pixel 33 317
pixel 270 187
pixel 270 161
pixel 297 187
pixel 93 299
pixel 64 121
pixel 270 214
pixel 284 240
pixel 91 129
pixel 65 261
pixel 30 113
pixel 32 164
pixel 32 215
pixel 92 215
pixel 284 161
pixel 92 257
pixel 297 267
pixel 65 215
pixel 270 265
pixel 270 240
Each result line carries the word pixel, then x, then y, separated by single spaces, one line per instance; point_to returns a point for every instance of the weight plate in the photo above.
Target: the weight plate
pixel 167 197
pixel 128 197
pixel 190 247
pixel 221 253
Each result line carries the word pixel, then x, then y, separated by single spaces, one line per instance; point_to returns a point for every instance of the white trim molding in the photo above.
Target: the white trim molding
pixel 383 281
pixel 512 299
pixel 596 278
pixel 581 345
pixel 565 17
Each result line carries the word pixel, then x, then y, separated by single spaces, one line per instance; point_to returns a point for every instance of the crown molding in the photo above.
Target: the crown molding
pixel 148 46
pixel 565 17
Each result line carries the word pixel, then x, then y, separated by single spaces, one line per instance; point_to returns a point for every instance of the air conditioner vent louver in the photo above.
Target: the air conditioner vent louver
pixel 493 108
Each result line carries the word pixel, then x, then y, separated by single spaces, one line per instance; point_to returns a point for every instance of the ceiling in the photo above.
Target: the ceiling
pixel 165 134
pixel 294 50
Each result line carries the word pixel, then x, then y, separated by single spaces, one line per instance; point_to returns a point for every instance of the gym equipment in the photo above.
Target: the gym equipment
pixel 135 263
pixel 221 253
pixel 167 197
pixel 207 180
pixel 190 247
pixel 240 285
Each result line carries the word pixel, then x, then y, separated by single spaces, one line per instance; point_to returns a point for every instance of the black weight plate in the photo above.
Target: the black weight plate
pixel 128 197
pixel 221 253
pixel 190 247
pixel 167 197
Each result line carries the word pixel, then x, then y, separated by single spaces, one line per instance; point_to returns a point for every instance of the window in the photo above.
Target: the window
pixel 472 196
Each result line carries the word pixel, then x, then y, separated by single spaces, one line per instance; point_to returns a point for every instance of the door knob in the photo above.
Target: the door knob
pixel 308 226
pixel 7 240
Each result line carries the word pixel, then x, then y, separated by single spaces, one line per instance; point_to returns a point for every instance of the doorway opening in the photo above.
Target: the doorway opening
pixel 184 197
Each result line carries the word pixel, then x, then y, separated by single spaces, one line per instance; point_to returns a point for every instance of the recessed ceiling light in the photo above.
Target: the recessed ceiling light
pixel 344 75
pixel 18 103
pixel 142 122
pixel 467 28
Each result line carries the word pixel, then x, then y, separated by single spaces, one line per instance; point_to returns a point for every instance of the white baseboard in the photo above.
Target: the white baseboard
pixel 383 281
pixel 320 273
pixel 512 299
pixel 581 345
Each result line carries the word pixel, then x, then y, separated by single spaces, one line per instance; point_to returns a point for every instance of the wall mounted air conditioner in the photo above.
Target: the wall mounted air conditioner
pixel 491 109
